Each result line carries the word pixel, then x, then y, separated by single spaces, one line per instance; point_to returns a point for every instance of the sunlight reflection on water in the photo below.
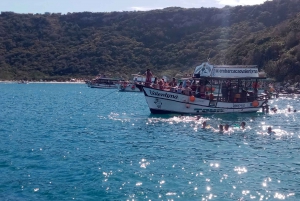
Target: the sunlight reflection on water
pixel 115 151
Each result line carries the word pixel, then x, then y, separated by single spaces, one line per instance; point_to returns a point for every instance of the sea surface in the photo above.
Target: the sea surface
pixel 71 142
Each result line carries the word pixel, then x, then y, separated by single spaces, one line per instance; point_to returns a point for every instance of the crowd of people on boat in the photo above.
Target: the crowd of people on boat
pixel 186 86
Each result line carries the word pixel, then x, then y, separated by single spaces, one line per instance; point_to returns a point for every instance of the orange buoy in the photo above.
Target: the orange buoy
pixel 255 103
pixel 192 98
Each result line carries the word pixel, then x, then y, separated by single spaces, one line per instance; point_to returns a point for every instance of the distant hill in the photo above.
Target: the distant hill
pixel 168 41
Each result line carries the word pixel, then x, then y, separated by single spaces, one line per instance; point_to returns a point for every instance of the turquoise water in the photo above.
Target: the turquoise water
pixel 71 142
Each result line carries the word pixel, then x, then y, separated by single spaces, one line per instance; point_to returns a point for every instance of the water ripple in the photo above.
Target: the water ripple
pixel 65 142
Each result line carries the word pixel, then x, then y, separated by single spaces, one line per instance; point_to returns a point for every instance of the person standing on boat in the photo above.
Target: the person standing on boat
pixel 188 83
pixel 179 88
pixel 255 86
pixel 161 84
pixel 244 95
pixel 187 90
pixel 149 75
pixel 166 86
pixel 155 84
pixel 224 92
pixel 173 83
pixel 194 86
pixel 202 90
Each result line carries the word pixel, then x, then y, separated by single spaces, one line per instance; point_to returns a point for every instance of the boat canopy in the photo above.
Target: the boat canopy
pixel 227 71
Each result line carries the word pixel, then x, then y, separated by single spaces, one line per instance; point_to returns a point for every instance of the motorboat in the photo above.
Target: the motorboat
pixel 23 82
pixel 213 89
pixel 103 83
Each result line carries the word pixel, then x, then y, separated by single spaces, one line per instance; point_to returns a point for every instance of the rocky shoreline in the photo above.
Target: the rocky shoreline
pixel 288 88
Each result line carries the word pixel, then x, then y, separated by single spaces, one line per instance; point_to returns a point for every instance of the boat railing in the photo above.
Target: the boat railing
pixel 214 95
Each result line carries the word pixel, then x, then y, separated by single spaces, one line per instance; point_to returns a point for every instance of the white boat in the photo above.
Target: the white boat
pixel 216 89
pixel 133 86
pixel 103 83
pixel 23 82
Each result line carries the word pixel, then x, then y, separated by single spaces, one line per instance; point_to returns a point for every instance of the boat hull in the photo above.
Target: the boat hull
pixel 162 102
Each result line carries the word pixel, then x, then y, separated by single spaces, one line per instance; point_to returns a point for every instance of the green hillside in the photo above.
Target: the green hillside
pixel 168 41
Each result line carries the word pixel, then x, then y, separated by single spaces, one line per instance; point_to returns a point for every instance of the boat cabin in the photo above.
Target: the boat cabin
pixel 108 81
pixel 230 83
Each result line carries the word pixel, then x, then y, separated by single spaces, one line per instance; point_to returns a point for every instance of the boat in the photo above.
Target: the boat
pixel 23 82
pixel 103 83
pixel 213 89
pixel 135 85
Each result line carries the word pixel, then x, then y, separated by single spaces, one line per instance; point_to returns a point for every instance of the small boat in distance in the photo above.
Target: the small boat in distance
pixel 23 82
pixel 213 89
pixel 103 83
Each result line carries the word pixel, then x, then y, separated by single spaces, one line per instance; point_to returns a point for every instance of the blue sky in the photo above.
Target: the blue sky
pixel 64 6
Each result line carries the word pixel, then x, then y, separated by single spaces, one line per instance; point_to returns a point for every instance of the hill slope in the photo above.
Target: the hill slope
pixel 168 41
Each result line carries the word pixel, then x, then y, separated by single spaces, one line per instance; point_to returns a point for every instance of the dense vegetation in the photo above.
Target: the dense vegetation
pixel 168 41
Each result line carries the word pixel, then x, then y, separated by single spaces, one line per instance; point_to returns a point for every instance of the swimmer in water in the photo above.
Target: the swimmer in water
pixel 270 131
pixel 226 127
pixel 204 125
pixel 243 124
pixel 221 128
pixel 274 109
